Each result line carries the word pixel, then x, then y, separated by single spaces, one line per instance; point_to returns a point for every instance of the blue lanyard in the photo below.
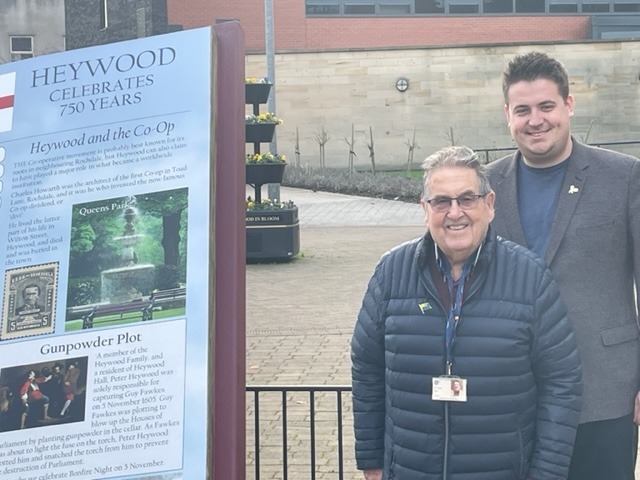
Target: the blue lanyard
pixel 456 290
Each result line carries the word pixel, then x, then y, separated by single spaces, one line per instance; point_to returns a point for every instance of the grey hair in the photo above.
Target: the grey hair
pixel 460 157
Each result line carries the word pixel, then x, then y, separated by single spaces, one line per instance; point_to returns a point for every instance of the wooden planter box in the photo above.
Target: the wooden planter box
pixel 260 174
pixel 272 235
pixel 256 93
pixel 259 132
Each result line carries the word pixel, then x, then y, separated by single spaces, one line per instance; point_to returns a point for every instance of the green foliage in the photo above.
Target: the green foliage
pixel 83 291
pixel 263 118
pixel 413 174
pixel 161 227
pixel 269 204
pixel 76 325
pixel 380 185
pixel 83 237
pixel 163 203
pixel 262 158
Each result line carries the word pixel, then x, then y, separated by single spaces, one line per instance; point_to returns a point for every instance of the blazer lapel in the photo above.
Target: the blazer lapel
pixel 508 222
pixel 572 190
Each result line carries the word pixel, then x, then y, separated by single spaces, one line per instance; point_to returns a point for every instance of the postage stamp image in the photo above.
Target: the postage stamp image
pixel 29 301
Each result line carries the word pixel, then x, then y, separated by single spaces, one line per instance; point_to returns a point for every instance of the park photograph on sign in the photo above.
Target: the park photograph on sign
pixel 127 259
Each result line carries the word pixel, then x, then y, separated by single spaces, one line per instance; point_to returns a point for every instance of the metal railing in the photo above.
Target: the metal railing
pixel 278 400
pixel 491 154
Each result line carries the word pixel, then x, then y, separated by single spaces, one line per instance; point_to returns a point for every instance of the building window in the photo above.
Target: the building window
pixel 595 8
pixel 530 6
pixel 429 6
pixel 497 6
pixel 395 9
pixel 563 8
pixel 21 48
pixel 456 9
pixel 468 7
pixel 359 9
pixel 463 6
pixel 626 7
pixel 104 19
pixel 322 9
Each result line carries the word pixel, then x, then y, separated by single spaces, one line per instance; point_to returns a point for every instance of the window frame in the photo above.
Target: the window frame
pixel 18 54
pixel 338 7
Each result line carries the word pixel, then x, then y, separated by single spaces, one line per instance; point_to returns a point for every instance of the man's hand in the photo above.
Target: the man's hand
pixel 373 474
pixel 636 410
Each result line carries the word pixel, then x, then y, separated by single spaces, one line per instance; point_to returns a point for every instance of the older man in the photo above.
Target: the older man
pixel 460 303
pixel 30 296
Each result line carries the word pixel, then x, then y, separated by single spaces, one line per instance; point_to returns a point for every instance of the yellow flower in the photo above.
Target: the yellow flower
pixel 263 118
pixel 262 158
pixel 256 80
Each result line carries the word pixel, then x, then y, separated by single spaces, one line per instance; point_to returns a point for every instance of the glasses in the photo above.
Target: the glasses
pixel 466 201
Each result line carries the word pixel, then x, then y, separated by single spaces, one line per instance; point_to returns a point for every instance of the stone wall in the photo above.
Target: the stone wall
pixel 454 96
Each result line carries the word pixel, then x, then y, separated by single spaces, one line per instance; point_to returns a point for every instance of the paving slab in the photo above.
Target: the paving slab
pixel 300 317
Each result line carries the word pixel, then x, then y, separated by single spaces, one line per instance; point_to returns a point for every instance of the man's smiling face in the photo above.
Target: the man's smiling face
pixel 457 232
pixel 539 121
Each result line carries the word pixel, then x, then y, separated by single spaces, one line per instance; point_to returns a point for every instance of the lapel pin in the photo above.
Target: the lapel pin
pixel 424 307
pixel 573 189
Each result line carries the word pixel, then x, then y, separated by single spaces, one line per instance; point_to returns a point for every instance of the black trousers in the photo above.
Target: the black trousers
pixel 605 450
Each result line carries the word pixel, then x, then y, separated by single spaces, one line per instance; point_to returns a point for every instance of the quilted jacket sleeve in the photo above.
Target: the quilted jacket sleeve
pixel 556 365
pixel 368 376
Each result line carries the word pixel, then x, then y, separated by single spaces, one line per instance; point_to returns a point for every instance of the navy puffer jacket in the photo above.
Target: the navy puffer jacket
pixel 514 345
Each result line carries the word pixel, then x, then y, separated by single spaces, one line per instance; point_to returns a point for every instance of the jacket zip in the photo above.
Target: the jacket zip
pixel 445 463
pixel 475 287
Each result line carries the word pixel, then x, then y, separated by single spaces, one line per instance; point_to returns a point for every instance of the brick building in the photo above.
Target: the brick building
pixel 346 24
pixel 338 62
pixel 32 27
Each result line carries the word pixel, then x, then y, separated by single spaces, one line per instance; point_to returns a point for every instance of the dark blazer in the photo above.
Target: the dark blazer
pixel 594 254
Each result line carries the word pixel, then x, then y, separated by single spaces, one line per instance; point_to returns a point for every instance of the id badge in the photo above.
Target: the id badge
pixel 449 389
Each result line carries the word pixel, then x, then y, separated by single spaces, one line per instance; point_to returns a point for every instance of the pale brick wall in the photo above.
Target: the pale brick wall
pixel 451 90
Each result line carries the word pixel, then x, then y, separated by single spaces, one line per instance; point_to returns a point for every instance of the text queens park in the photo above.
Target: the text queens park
pixel 92 91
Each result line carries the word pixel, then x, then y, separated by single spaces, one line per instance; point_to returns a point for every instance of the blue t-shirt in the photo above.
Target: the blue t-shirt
pixel 538 193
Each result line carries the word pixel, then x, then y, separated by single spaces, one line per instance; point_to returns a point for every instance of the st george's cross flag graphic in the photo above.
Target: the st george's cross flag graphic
pixel 7 93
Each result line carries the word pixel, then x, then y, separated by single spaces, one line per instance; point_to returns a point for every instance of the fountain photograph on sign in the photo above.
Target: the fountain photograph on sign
pixel 127 281
pixel 127 260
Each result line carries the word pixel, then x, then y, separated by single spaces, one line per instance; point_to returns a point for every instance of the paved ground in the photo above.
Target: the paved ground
pixel 300 317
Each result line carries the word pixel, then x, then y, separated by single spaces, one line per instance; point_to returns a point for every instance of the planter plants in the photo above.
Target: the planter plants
pixel 256 91
pixel 261 127
pixel 273 230
pixel 264 168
